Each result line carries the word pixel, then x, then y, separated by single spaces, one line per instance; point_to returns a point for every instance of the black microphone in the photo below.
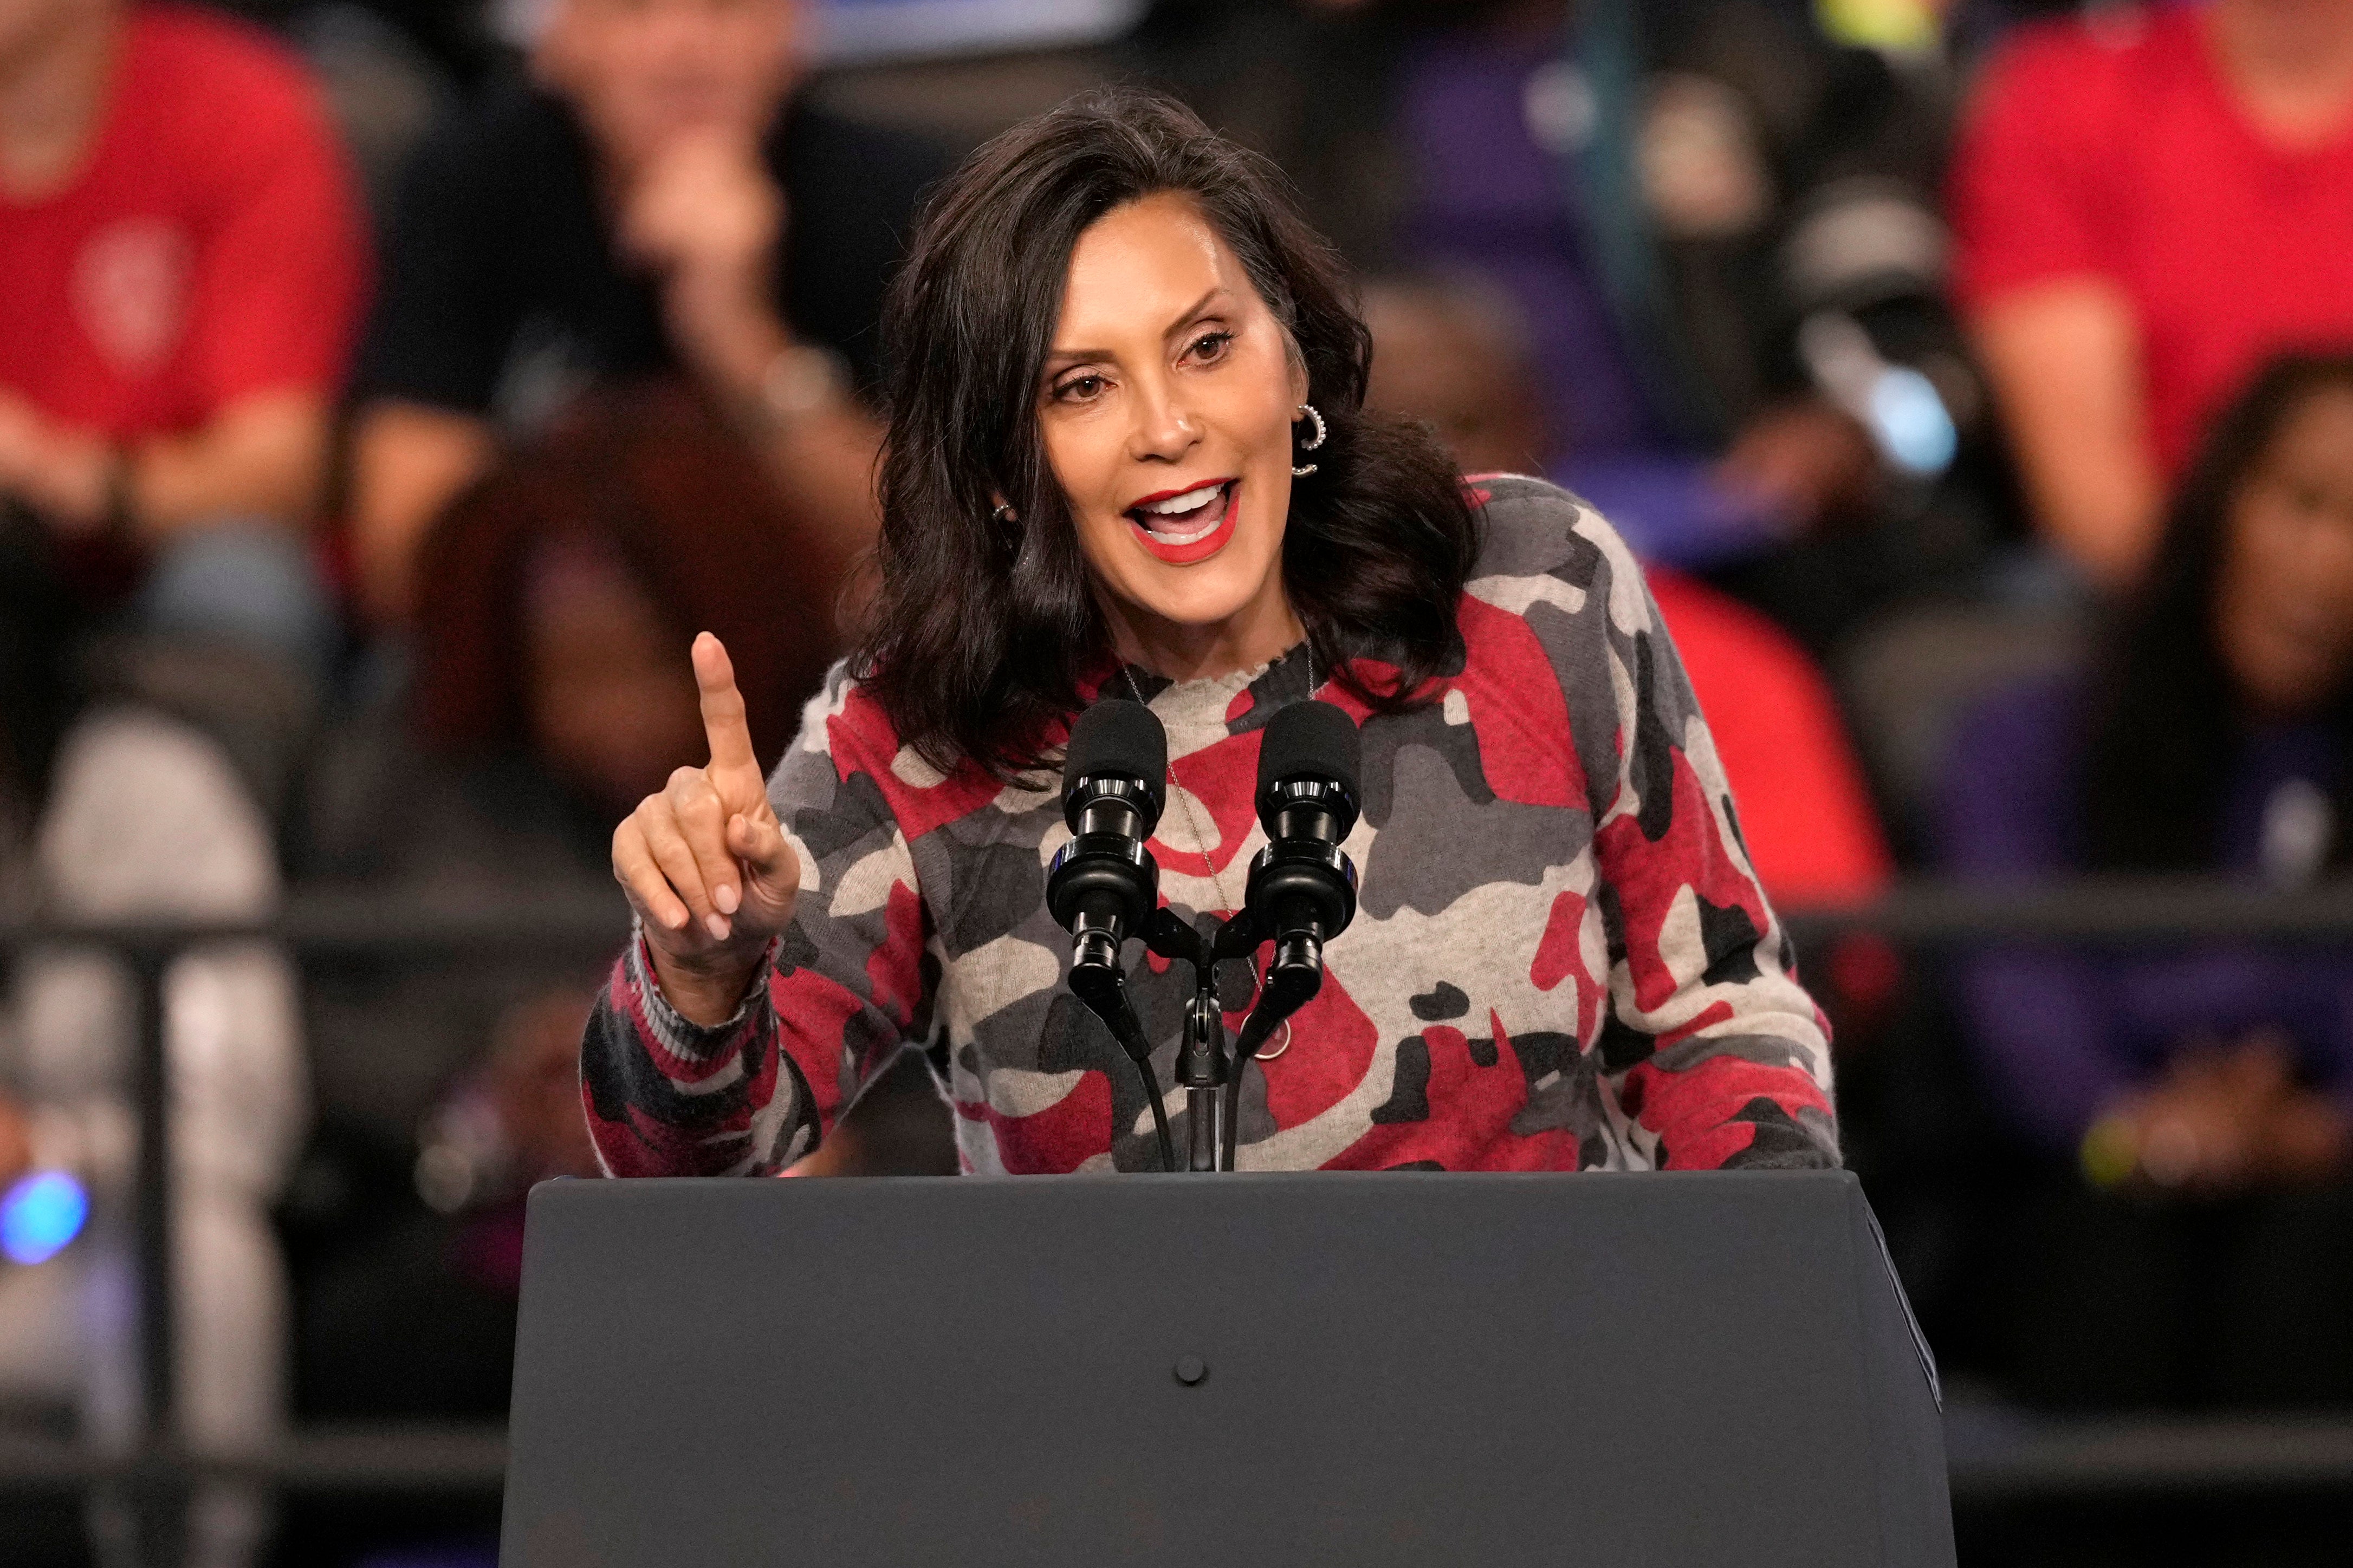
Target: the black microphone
pixel 1103 884
pixel 1302 886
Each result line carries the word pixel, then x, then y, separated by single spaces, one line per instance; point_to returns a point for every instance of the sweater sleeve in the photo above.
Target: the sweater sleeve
pixel 1715 1054
pixel 839 990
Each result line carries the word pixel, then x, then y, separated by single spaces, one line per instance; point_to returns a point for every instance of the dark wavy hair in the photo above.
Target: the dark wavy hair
pixel 981 632
pixel 2167 722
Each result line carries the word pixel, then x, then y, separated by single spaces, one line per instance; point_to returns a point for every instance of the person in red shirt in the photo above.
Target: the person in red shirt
pixel 181 270
pixel 2148 204
pixel 1805 811
pixel 181 265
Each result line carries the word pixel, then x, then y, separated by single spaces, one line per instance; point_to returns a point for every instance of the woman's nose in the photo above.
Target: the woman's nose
pixel 1165 429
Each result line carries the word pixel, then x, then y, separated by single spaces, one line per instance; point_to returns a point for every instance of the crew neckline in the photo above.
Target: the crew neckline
pixel 1204 701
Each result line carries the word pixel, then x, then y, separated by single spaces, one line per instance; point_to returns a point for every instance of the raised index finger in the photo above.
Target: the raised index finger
pixel 723 706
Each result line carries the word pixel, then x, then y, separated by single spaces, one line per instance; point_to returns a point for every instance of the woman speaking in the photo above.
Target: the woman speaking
pixel 1127 458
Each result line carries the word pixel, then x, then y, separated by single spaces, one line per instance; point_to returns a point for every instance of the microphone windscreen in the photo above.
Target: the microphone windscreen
pixel 1119 737
pixel 1311 738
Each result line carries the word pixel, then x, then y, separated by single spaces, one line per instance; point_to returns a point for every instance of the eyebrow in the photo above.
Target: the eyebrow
pixel 1064 358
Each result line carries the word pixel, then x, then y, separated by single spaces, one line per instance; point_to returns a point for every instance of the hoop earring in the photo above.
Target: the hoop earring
pixel 1004 516
pixel 1320 432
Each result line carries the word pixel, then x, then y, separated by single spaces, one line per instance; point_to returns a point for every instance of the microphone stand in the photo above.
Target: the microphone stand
pixel 1203 1063
pixel 1209 1073
pixel 1203 1067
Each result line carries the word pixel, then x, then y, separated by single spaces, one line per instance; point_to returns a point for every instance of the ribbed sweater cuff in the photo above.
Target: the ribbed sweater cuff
pixel 677 1034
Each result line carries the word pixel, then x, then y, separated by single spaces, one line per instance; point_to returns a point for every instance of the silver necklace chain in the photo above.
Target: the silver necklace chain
pixel 1201 839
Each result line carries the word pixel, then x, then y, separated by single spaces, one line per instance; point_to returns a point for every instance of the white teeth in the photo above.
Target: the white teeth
pixel 1186 517
pixel 1185 502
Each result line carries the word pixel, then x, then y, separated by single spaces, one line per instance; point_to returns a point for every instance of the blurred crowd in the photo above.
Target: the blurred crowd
pixel 390 388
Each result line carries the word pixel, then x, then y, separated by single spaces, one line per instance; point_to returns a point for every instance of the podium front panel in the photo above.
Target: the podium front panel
pixel 1355 1370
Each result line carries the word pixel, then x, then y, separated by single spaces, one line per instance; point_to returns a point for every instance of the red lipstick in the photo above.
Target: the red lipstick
pixel 1191 550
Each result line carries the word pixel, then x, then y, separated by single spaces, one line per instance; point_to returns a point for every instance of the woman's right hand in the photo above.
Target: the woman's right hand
pixel 704 862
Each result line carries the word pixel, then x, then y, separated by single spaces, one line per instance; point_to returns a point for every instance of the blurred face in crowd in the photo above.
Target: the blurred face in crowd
pixel 643 72
pixel 610 696
pixel 30 28
pixel 1446 360
pixel 2283 606
pixel 1167 415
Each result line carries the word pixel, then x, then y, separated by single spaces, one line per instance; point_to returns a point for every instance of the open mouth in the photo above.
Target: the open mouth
pixel 1184 526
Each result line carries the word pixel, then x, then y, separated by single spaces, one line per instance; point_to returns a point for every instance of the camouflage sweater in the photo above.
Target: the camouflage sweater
pixel 1561 960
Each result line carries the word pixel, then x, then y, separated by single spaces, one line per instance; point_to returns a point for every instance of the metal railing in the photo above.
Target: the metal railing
pixel 2129 910
pixel 386 1458
pixel 2001 1460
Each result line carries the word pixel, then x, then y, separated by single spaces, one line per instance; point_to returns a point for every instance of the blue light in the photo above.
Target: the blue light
pixel 40 1215
pixel 1911 421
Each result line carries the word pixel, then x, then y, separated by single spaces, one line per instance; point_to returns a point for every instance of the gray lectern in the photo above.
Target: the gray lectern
pixel 1352 1371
